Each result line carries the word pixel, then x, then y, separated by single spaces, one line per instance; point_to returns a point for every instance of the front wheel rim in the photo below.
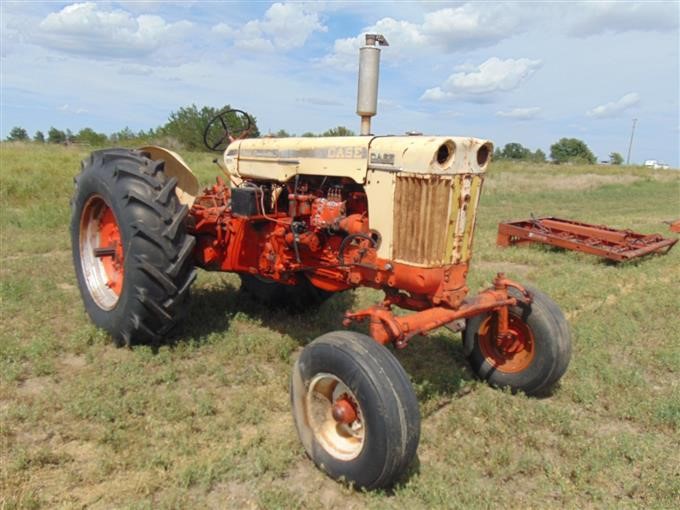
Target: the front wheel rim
pixel 335 417
pixel 512 354
pixel 101 252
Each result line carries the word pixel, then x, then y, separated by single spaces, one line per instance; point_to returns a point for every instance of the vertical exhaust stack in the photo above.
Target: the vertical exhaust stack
pixel 369 69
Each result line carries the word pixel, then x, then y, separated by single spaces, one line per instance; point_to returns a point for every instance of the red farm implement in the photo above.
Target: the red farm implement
pixel 600 240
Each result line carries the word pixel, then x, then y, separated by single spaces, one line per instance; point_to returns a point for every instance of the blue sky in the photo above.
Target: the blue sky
pixel 510 72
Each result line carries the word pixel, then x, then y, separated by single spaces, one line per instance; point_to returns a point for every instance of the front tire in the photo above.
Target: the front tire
pixel 131 252
pixel 355 410
pixel 535 359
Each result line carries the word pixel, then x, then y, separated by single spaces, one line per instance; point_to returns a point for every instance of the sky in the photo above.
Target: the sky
pixel 521 72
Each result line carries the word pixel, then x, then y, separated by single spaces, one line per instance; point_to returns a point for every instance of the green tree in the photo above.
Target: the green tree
pixel 282 133
pixel 39 137
pixel 571 150
pixel 497 153
pixel 124 135
pixel 189 122
pixel 338 131
pixel 308 134
pixel 18 134
pixel 90 136
pixel 615 158
pixel 538 156
pixel 146 135
pixel 515 150
pixel 55 135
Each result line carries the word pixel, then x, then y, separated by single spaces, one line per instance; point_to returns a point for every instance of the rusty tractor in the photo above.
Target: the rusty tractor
pixel 299 219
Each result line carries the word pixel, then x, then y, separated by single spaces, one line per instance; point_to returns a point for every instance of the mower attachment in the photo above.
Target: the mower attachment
pixel 600 240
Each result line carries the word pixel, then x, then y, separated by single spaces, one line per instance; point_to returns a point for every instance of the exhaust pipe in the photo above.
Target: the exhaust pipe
pixel 369 70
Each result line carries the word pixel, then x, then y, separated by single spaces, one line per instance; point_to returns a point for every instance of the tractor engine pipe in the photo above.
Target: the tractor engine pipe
pixel 369 70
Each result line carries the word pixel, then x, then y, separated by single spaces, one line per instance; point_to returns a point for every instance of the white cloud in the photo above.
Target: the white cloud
pixel 71 109
pixel 147 6
pixel 90 29
pixel 319 101
pixel 520 113
pixel 225 30
pixel 494 75
pixel 284 27
pixel 447 30
pixel 470 26
pixel 615 107
pixel 598 17
pixel 135 70
pixel 345 54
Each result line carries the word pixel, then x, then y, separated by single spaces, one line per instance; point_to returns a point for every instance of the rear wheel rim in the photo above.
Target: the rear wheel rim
pixel 513 354
pixel 101 252
pixel 344 441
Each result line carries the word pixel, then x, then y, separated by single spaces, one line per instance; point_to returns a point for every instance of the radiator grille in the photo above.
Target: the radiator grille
pixel 434 218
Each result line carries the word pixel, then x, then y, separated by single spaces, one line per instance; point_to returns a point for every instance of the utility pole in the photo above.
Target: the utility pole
pixel 630 145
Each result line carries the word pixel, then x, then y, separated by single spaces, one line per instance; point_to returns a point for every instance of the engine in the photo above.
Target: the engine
pixel 387 212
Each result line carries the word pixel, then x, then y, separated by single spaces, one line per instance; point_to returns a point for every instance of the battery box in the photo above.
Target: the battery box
pixel 245 201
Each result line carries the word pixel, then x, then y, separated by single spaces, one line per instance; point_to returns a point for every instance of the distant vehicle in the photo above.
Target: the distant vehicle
pixel 656 165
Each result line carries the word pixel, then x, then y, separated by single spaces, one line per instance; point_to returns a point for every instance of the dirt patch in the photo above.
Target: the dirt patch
pixel 615 428
pixel 73 362
pixel 231 495
pixel 305 478
pixel 35 386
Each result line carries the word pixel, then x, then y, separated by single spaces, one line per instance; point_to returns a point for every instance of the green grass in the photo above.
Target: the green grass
pixel 205 422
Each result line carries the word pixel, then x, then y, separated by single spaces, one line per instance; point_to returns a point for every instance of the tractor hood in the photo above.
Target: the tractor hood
pixel 279 159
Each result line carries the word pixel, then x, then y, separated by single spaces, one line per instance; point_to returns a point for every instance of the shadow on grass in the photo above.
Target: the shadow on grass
pixel 438 368
pixel 436 362
pixel 213 309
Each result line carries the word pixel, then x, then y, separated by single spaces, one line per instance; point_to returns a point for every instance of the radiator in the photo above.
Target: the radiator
pixel 434 218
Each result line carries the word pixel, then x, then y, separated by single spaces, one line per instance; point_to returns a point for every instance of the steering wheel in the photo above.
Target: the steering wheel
pixel 217 134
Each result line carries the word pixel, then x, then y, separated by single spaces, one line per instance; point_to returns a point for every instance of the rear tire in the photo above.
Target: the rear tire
pixel 376 445
pixel 294 298
pixel 539 357
pixel 131 252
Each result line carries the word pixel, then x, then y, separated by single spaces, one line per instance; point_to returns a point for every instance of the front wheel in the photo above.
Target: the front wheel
pixel 355 410
pixel 536 355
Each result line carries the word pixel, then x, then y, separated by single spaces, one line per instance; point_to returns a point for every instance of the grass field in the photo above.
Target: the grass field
pixel 205 422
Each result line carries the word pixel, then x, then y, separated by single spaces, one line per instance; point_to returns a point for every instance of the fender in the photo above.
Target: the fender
pixel 187 184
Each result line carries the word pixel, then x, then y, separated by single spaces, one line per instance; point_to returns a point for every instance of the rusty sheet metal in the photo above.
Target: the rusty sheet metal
pixel 600 240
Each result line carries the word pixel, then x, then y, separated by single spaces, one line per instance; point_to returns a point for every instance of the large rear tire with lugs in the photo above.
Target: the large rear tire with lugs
pixel 355 410
pixel 131 252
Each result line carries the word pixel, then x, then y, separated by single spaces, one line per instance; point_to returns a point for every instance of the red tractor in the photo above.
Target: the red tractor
pixel 300 219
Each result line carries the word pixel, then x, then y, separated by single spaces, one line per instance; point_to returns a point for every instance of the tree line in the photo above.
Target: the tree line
pixel 184 129
pixel 565 150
